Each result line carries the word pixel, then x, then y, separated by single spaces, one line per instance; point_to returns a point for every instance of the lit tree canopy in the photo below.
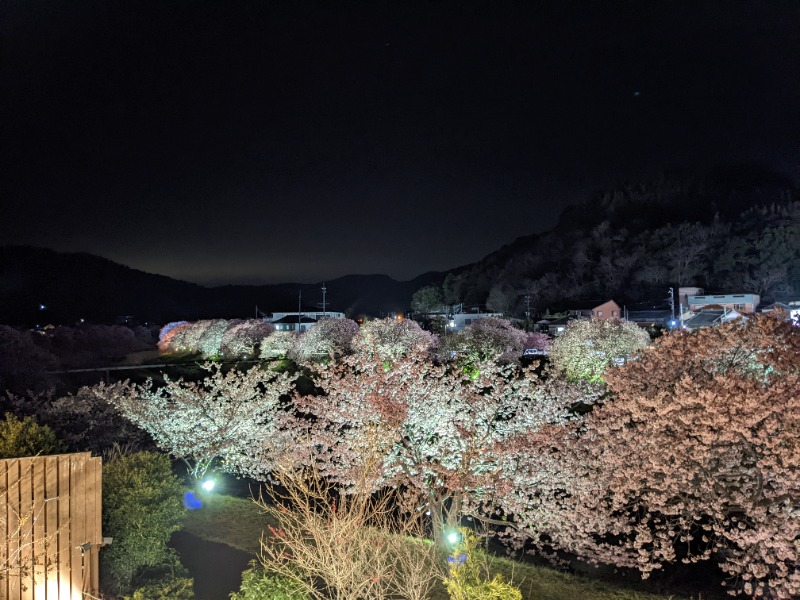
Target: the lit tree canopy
pixel 215 338
pixel 209 341
pixel 441 432
pixel 241 337
pixel 695 456
pixel 389 339
pixel 537 340
pixel 168 334
pixel 488 338
pixel 329 337
pixel 588 346
pixel 277 345
pixel 233 417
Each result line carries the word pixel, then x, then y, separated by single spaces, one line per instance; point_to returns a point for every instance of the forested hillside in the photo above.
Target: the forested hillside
pixel 732 231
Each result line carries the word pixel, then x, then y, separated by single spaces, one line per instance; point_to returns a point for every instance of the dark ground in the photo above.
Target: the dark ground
pixel 216 568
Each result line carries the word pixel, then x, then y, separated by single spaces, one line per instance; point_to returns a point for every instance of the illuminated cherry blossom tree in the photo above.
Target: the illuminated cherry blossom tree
pixel 588 346
pixel 186 338
pixel 209 342
pixel 389 339
pixel 488 338
pixel 441 432
pixel 277 345
pixel 241 337
pixel 328 338
pixel 167 336
pixel 693 457
pixel 232 416
pixel 537 340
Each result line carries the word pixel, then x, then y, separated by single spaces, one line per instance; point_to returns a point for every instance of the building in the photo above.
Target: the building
pixel 710 317
pixel 652 318
pixel 556 325
pixel 552 325
pixel 458 321
pixel 607 310
pixel 742 303
pixel 300 321
pixel 685 292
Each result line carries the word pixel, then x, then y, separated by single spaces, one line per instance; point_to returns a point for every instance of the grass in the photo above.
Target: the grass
pixel 233 521
pixel 239 523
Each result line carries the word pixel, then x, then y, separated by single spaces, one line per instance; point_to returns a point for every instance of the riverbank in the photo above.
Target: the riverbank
pixel 238 524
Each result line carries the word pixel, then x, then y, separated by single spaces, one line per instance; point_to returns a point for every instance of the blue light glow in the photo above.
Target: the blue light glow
pixel 192 502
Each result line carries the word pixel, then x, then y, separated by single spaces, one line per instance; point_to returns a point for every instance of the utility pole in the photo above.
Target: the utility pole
pixel 671 300
pixel 527 307
pixel 324 304
pixel 299 310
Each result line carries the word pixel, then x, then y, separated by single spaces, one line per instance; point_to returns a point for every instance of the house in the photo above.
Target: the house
pixel 556 325
pixel 553 325
pixel 741 303
pixel 607 310
pixel 651 318
pixel 300 321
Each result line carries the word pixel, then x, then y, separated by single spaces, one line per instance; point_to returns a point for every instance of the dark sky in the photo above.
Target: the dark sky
pixel 299 141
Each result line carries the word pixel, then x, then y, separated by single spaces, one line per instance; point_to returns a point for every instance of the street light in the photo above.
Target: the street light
pixel 448 323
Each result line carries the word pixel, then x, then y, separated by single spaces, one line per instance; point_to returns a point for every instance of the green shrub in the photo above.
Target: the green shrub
pixel 258 584
pixel 142 507
pixel 465 581
pixel 26 437
pixel 176 589
pixel 168 580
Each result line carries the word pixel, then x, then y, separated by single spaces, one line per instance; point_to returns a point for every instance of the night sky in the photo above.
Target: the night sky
pixel 262 142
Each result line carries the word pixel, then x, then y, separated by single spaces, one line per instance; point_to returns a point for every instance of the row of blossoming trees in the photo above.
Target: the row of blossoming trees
pixel 689 453
pixel 254 337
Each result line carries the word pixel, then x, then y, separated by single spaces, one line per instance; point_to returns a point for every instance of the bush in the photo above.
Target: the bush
pixel 165 588
pixel 177 589
pixel 141 509
pixel 26 437
pixel 167 581
pixel 465 581
pixel 259 584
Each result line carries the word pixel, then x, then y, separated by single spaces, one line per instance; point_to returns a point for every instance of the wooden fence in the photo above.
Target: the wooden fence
pixel 50 527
